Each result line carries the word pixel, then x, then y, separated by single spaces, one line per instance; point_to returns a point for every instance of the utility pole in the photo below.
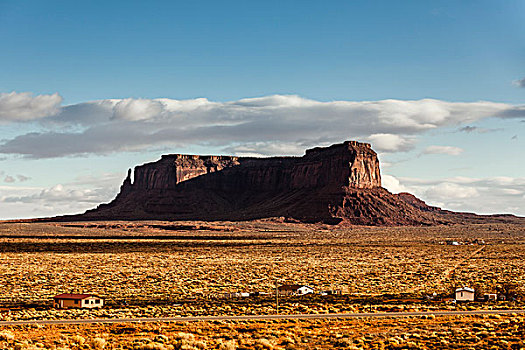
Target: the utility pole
pixel 277 296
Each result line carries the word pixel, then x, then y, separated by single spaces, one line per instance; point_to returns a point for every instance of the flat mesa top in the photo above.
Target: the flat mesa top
pixel 225 157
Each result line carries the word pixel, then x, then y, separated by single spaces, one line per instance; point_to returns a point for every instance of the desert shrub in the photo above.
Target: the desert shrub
pixel 161 338
pixel 187 341
pixel 342 343
pixel 227 345
pixel 77 339
pixel 151 346
pixel 264 343
pixel 98 343
pixel 184 336
pixel 7 335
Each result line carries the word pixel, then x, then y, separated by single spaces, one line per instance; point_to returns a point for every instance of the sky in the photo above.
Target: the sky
pixel 90 89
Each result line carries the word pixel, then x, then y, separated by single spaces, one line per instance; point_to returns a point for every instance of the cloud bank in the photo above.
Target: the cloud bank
pixel 270 125
pixel 479 195
pixel 260 126
pixel 69 198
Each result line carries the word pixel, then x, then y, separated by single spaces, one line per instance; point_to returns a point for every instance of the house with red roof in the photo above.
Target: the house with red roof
pixel 69 300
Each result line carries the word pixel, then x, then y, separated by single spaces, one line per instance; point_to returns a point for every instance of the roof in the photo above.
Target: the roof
pixel 465 289
pixel 74 296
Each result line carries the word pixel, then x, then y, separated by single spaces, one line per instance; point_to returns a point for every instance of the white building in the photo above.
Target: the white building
pixel 464 294
pixel 295 289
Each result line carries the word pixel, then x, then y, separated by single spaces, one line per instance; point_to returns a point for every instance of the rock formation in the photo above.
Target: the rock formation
pixel 340 183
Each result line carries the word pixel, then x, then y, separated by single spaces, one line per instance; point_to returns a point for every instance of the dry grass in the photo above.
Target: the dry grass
pixel 162 269
pixel 161 264
pixel 459 332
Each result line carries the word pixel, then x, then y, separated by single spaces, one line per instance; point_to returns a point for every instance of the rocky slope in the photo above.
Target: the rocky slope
pixel 340 183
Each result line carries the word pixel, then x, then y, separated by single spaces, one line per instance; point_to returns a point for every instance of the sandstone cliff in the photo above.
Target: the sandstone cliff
pixel 340 183
pixel 349 164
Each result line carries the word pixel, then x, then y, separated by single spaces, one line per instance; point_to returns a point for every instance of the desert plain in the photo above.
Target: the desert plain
pixel 187 268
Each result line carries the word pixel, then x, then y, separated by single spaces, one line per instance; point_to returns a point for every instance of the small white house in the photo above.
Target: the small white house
pixel 464 294
pixel 79 301
pixel 295 289
pixel 305 290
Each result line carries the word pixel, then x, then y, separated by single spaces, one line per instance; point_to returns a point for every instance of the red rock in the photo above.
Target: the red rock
pixel 340 183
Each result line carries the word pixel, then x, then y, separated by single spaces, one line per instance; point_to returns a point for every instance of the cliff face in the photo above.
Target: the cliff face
pixel 331 184
pixel 349 164
pixel 173 169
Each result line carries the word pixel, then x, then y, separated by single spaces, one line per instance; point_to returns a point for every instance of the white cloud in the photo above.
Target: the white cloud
pixel 71 198
pixel 137 109
pixel 259 125
pixel 480 195
pixel 450 150
pixel 446 191
pixel 392 184
pixel 24 106
pixel 59 193
pixel 512 191
pixel 390 142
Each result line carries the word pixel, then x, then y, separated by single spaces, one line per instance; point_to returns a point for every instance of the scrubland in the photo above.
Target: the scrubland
pixel 431 332
pixel 136 263
pixel 149 269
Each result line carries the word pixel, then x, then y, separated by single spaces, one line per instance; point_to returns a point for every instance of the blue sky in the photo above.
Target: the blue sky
pixel 364 50
pixel 320 52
